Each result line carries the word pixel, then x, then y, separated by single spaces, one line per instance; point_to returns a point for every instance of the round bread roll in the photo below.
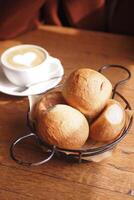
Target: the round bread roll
pixel 87 90
pixel 64 127
pixel 47 101
pixel 109 124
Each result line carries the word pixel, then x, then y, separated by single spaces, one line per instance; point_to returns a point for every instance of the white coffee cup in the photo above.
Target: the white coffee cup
pixel 25 76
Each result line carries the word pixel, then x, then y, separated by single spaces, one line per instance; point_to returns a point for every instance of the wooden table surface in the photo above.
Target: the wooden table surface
pixel 111 179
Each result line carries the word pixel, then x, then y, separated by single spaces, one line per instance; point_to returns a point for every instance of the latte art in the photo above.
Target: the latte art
pixel 25 57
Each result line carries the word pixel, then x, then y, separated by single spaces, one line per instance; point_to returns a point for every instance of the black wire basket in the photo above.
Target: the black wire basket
pixel 77 154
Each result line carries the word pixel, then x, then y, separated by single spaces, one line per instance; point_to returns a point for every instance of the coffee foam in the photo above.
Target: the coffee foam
pixel 25 57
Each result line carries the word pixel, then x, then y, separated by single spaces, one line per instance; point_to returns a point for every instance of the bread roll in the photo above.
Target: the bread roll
pixel 64 127
pixel 109 124
pixel 47 101
pixel 87 90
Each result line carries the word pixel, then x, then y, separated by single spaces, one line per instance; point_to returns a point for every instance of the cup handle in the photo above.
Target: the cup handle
pixel 57 68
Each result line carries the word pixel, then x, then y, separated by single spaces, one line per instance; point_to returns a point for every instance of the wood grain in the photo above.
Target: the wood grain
pixel 7 194
pixel 51 187
pixel 61 179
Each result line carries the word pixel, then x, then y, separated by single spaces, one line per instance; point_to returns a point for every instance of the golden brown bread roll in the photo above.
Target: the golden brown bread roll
pixel 47 101
pixel 87 90
pixel 109 124
pixel 63 126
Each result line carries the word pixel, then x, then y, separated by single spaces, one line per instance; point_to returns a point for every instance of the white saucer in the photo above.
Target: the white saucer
pixel 9 88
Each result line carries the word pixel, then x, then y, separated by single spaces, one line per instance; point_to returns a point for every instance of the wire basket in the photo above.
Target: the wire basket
pixel 77 154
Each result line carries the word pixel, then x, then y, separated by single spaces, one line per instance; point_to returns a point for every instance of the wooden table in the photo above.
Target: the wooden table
pixel 112 179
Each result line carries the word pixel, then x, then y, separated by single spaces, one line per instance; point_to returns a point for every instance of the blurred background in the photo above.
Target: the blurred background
pixel 20 16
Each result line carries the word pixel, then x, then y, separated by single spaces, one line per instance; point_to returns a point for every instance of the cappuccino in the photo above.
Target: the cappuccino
pixel 25 57
pixel 27 64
